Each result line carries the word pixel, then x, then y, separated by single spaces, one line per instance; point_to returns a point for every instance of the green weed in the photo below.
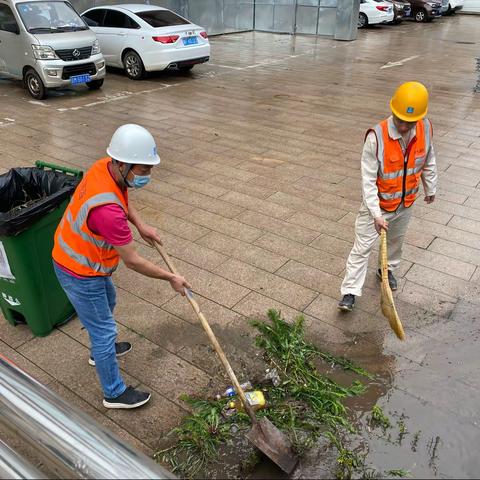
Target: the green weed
pixel 285 348
pixel 415 439
pixel 379 418
pixel 397 473
pixel 305 405
pixel 199 437
pixel 348 461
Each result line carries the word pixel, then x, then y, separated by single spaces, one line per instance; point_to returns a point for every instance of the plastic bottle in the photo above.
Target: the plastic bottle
pixel 231 392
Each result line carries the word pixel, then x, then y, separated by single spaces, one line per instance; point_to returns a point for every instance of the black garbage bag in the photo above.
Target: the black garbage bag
pixel 28 194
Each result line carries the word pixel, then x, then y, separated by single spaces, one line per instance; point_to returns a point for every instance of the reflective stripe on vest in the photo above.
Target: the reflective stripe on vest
pixel 419 162
pixel 82 260
pixel 399 171
pixel 76 246
pixel 76 225
pixel 391 196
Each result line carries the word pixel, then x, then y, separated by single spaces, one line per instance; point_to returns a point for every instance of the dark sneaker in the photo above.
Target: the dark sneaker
pixel 130 398
pixel 391 279
pixel 347 302
pixel 121 349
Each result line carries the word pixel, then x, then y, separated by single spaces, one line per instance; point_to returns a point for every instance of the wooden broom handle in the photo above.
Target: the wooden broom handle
pixel 384 255
pixel 211 335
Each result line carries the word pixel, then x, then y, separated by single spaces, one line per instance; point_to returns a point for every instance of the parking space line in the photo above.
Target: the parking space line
pixel 163 86
pixel 115 97
pixel 264 63
pixel 7 122
pixel 36 102
pixel 225 66
pixel 399 63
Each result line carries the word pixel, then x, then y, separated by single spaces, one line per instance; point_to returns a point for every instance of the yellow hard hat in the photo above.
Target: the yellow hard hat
pixel 410 102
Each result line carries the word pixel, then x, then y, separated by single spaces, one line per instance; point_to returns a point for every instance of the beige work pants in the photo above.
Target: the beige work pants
pixel 365 238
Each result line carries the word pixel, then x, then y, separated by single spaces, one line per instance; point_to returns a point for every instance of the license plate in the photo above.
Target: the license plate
pixel 77 79
pixel 190 40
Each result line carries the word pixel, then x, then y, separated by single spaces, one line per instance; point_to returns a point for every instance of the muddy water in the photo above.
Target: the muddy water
pixel 433 405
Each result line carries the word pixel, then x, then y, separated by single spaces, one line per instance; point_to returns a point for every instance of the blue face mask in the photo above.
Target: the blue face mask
pixel 139 181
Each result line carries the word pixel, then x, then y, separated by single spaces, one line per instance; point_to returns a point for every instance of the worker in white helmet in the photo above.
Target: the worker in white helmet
pixel 90 240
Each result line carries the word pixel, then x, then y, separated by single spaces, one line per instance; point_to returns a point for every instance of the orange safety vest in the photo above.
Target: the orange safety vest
pixel 76 247
pixel 399 173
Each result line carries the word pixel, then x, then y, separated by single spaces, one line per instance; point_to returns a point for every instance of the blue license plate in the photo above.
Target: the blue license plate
pixel 190 40
pixel 77 79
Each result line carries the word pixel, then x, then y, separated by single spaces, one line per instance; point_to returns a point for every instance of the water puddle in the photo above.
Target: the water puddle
pixel 426 411
pixel 432 408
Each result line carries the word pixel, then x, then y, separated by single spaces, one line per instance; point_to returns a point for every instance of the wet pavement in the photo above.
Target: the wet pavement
pixel 256 198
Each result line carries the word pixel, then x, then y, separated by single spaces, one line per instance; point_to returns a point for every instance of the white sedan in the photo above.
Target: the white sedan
pixel 145 38
pixel 374 11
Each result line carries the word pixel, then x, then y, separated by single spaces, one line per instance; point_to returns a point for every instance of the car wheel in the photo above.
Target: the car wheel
pixel 362 20
pixel 95 84
pixel 421 16
pixel 133 65
pixel 186 68
pixel 34 85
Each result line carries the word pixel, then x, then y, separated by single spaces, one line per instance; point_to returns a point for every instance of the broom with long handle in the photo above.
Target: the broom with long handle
pixel 388 306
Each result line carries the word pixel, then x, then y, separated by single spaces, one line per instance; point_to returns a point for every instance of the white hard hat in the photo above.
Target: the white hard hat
pixel 133 144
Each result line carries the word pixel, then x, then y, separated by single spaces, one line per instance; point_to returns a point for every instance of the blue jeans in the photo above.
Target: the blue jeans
pixel 94 299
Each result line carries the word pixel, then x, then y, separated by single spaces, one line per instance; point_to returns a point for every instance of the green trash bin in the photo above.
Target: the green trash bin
pixel 34 199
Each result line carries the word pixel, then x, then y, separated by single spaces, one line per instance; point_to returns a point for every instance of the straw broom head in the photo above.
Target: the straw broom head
pixel 388 306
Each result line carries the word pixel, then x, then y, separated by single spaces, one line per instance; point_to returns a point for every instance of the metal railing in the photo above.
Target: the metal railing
pixel 13 466
pixel 70 443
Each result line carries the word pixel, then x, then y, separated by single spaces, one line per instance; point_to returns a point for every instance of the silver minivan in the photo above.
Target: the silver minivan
pixel 47 44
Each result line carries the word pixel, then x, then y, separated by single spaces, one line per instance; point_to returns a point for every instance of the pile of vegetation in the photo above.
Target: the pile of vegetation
pixel 306 405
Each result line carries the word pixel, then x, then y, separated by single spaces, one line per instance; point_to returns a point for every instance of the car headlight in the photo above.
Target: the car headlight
pixel 96 48
pixel 43 52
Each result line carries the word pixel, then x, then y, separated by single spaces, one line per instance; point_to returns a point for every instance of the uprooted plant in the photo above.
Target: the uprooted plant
pixel 198 437
pixel 317 398
pixel 306 404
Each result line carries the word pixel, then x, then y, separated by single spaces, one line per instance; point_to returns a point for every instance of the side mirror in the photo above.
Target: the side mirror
pixel 12 28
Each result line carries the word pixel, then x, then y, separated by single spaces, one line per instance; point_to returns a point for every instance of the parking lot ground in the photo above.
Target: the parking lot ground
pixel 256 198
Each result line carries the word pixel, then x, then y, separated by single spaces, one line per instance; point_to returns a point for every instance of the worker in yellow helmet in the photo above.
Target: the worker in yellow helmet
pixel 397 155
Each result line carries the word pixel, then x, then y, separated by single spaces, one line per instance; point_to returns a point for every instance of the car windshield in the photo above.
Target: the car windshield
pixel 162 18
pixel 50 17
